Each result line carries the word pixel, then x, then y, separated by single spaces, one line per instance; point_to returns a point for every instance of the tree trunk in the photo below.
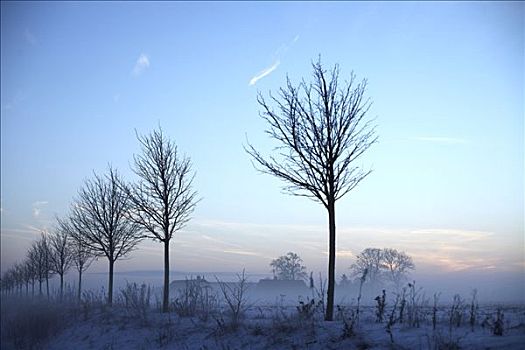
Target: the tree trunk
pixel 47 286
pixel 331 262
pixel 40 287
pixel 61 286
pixel 110 283
pixel 79 285
pixel 166 294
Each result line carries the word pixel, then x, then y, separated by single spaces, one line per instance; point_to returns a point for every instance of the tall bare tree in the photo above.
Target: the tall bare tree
pixel 163 197
pixel 320 130
pixel 81 255
pixel 61 254
pixel 100 219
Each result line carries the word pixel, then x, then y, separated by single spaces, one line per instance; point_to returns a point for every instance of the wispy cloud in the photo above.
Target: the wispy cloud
pixel 441 140
pixel 37 208
pixel 451 249
pixel 276 61
pixel 264 72
pixel 141 65
pixel 241 252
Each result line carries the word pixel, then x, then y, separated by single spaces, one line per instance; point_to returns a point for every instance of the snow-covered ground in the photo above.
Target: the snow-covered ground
pixel 134 323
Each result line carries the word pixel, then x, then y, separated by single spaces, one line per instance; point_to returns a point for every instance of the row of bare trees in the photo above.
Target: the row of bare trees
pixel 320 131
pixel 52 254
pixel 110 216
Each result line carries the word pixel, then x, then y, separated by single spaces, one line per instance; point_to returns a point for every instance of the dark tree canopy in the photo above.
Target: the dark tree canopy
pixel 370 259
pixel 383 264
pixel 289 267
pixel 396 265
pixel 320 131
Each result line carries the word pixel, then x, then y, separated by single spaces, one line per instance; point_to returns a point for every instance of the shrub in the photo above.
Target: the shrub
pixel 380 307
pixel 456 312
pixel 137 300
pixel 497 324
pixel 195 299
pixel 236 299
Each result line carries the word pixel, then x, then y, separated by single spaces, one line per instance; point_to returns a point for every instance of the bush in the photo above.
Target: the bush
pixel 236 299
pixel 137 300
pixel 196 299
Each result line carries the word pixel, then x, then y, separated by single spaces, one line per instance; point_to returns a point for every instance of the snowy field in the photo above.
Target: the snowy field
pixel 236 318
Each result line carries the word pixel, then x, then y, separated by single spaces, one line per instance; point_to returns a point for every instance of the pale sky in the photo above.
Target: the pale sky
pixel 446 80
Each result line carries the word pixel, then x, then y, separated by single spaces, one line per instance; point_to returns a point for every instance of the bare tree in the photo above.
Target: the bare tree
pixel 81 255
pixel 61 254
pixel 396 265
pixel 370 259
pixel 321 131
pixel 38 257
pixel 163 198
pixel 18 277
pixel 289 267
pixel 33 256
pixel 27 274
pixel 100 219
pixel 44 261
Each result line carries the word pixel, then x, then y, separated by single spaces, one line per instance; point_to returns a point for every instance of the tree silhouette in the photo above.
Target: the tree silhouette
pixel 289 267
pixel 320 131
pixel 382 264
pixel 396 265
pixel 162 199
pixel 371 260
pixel 100 219
pixel 60 255
pixel 81 255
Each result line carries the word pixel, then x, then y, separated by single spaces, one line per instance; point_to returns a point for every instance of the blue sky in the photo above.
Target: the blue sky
pixel 446 80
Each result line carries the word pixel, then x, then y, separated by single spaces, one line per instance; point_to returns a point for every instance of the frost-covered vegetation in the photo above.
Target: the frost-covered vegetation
pixel 233 315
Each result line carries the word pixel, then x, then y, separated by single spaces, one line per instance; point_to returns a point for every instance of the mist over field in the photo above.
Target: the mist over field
pixel 262 175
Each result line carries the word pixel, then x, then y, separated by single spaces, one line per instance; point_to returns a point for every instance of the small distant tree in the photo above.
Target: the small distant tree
pixel 382 264
pixel 163 199
pixel 396 265
pixel 100 219
pixel 35 259
pixel 17 274
pixel 289 267
pixel 27 274
pixel 81 255
pixel 370 259
pixel 44 258
pixel 60 255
